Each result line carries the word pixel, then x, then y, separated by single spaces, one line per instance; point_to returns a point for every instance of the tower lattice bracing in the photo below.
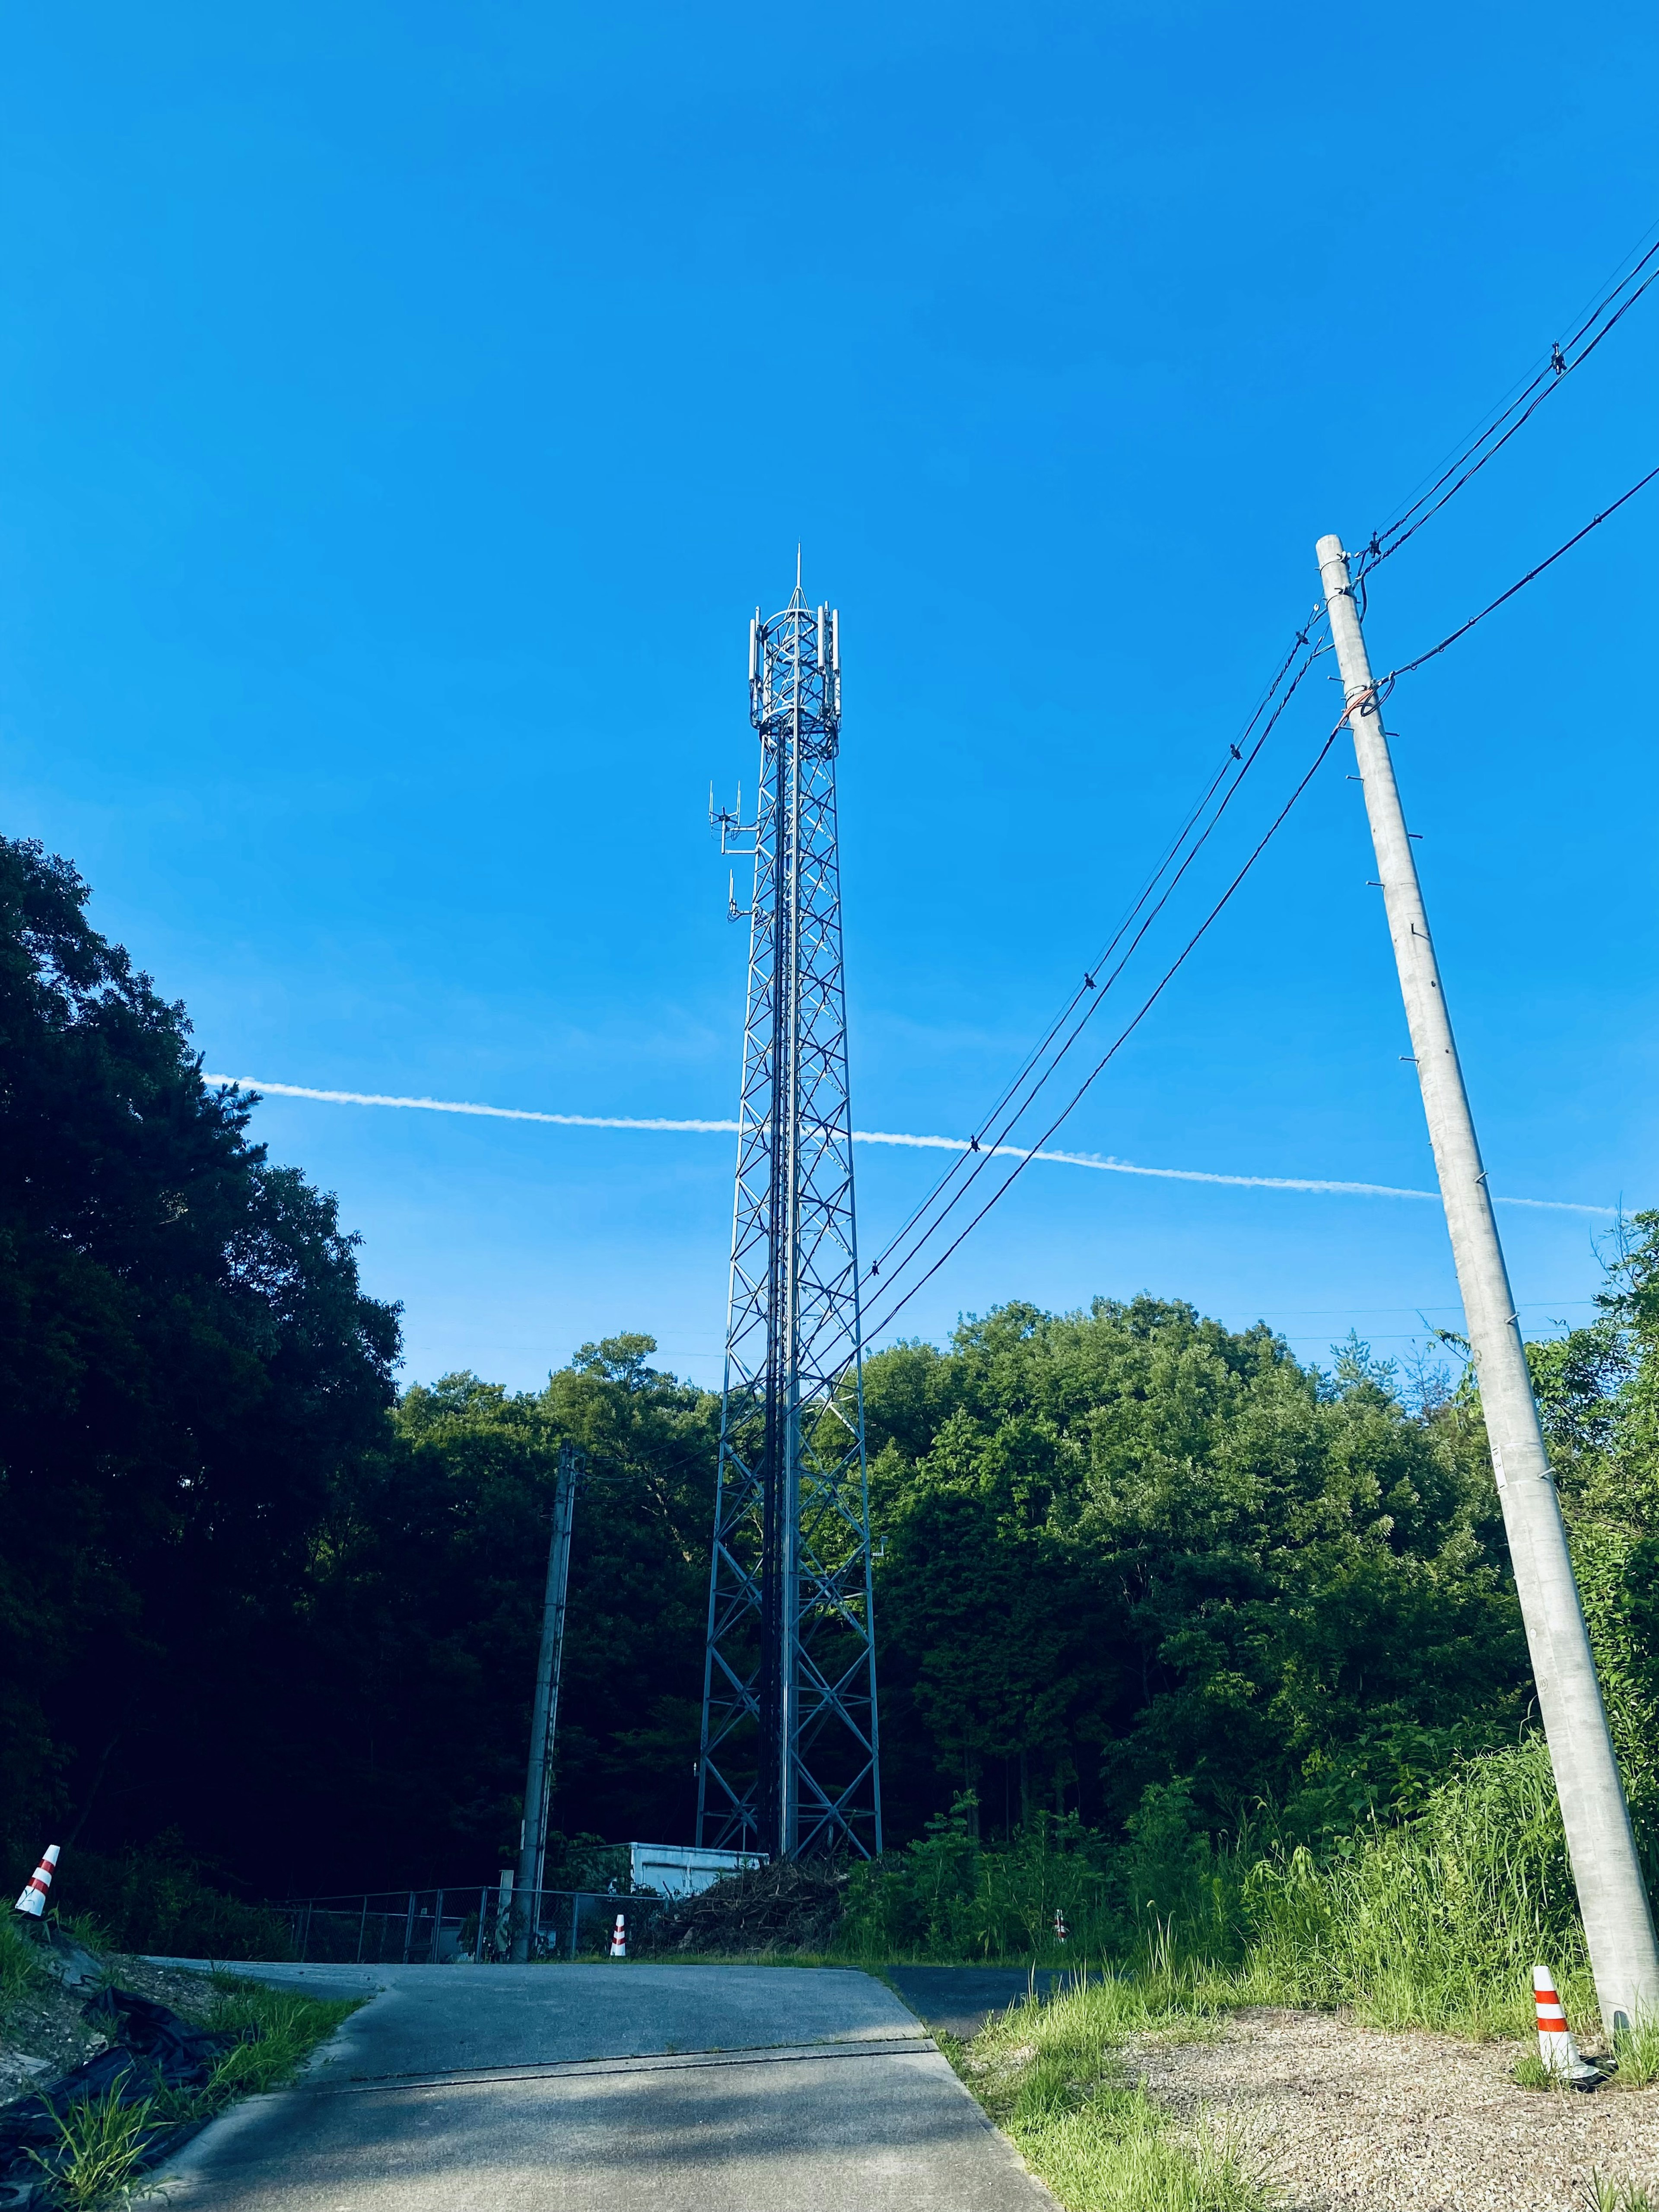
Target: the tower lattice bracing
pixel 789 1743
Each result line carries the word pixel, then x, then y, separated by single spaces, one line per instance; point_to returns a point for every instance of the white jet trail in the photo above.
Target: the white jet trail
pixel 1105 1165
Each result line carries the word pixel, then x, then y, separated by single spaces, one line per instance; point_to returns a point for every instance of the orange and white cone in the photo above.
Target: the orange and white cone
pixel 1555 2045
pixel 619 1939
pixel 33 1900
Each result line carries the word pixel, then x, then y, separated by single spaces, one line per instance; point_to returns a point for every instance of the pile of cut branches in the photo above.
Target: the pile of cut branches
pixel 793 1905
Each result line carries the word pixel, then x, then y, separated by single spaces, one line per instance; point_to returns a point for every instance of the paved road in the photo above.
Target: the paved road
pixel 961 1999
pixel 633 2089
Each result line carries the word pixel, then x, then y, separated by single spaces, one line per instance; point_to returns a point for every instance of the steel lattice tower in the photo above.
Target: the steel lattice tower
pixel 789 1743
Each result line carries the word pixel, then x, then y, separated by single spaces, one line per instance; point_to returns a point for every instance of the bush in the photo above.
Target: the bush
pixel 948 1896
pixel 20 1969
pixel 1437 1922
pixel 157 1899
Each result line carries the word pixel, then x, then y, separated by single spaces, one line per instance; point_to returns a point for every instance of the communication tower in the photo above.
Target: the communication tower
pixel 788 1761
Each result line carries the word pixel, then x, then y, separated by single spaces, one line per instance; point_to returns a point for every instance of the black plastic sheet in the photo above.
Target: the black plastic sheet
pixel 153 2056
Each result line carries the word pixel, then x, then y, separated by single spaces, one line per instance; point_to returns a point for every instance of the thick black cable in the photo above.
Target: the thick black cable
pixel 1123 1038
pixel 983 1154
pixel 1564 357
pixel 1089 987
pixel 1378 689
pixel 1463 629
pixel 1384 543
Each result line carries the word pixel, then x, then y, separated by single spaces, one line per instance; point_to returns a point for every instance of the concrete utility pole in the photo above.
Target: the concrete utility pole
pixel 1612 1898
pixel 545 1712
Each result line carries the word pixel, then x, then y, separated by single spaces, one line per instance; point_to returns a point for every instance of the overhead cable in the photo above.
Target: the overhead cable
pixel 1463 629
pixel 1125 1033
pixel 1379 690
pixel 1564 356
pixel 918 1229
pixel 1235 765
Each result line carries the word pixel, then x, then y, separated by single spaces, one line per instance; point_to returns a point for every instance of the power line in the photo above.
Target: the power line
pixel 1125 1033
pixel 982 1154
pixel 1602 318
pixel 1463 629
pixel 1606 313
pixel 1378 689
pixel 1089 989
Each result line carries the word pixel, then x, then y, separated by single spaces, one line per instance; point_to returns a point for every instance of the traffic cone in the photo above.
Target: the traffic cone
pixel 33 1900
pixel 1555 2045
pixel 619 1939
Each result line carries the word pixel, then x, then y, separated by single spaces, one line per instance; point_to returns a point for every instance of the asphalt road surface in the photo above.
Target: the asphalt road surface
pixel 961 1999
pixel 633 2089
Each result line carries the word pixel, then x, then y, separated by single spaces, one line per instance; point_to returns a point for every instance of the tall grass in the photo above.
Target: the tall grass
pixel 160 1898
pixel 1434 1923
pixel 104 2144
pixel 1050 2075
pixel 101 2145
pixel 949 1896
pixel 20 1969
pixel 278 2030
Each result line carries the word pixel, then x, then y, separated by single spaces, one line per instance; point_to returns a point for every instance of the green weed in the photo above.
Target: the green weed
pixel 102 2145
pixel 21 1970
pixel 1529 2072
pixel 279 2028
pixel 106 2141
pixel 1434 1922
pixel 1636 2049
pixel 1603 2195
pixel 1050 2076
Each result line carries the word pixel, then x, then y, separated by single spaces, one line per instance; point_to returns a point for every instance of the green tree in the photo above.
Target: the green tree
pixel 1128 1545
pixel 418 1651
pixel 188 1365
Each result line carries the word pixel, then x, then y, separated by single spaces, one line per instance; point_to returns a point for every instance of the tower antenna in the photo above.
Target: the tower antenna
pixel 789 1758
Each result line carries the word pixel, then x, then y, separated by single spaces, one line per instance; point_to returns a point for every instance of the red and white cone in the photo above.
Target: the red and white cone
pixel 619 1939
pixel 1555 2045
pixel 33 1900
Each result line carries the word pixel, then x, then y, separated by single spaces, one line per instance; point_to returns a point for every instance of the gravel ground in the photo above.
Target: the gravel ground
pixel 43 2034
pixel 1347 2118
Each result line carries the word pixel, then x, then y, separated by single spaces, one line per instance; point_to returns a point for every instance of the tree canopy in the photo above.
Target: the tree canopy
pixel 187 1366
pixel 1128 1545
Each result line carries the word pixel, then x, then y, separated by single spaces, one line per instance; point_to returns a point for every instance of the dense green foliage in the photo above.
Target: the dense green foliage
pixel 187 1365
pixel 1155 1601
pixel 258 1618
pixel 1129 1545
pixel 425 1607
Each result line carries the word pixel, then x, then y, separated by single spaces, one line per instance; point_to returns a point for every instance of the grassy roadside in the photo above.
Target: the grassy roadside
pixel 105 2145
pixel 1051 2076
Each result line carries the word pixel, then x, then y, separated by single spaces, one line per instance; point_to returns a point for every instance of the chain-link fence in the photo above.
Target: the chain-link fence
pixel 419 1927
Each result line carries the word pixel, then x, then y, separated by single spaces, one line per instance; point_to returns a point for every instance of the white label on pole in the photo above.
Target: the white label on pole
pixel 1497 1466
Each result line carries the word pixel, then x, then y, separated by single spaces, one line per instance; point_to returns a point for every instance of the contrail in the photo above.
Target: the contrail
pixel 1102 1164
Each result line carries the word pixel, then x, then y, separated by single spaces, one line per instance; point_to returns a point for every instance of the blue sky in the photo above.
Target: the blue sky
pixel 405 408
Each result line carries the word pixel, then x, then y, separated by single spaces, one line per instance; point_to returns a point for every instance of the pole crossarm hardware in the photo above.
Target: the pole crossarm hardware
pixel 544 1709
pixel 1611 1897
pixel 789 1752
